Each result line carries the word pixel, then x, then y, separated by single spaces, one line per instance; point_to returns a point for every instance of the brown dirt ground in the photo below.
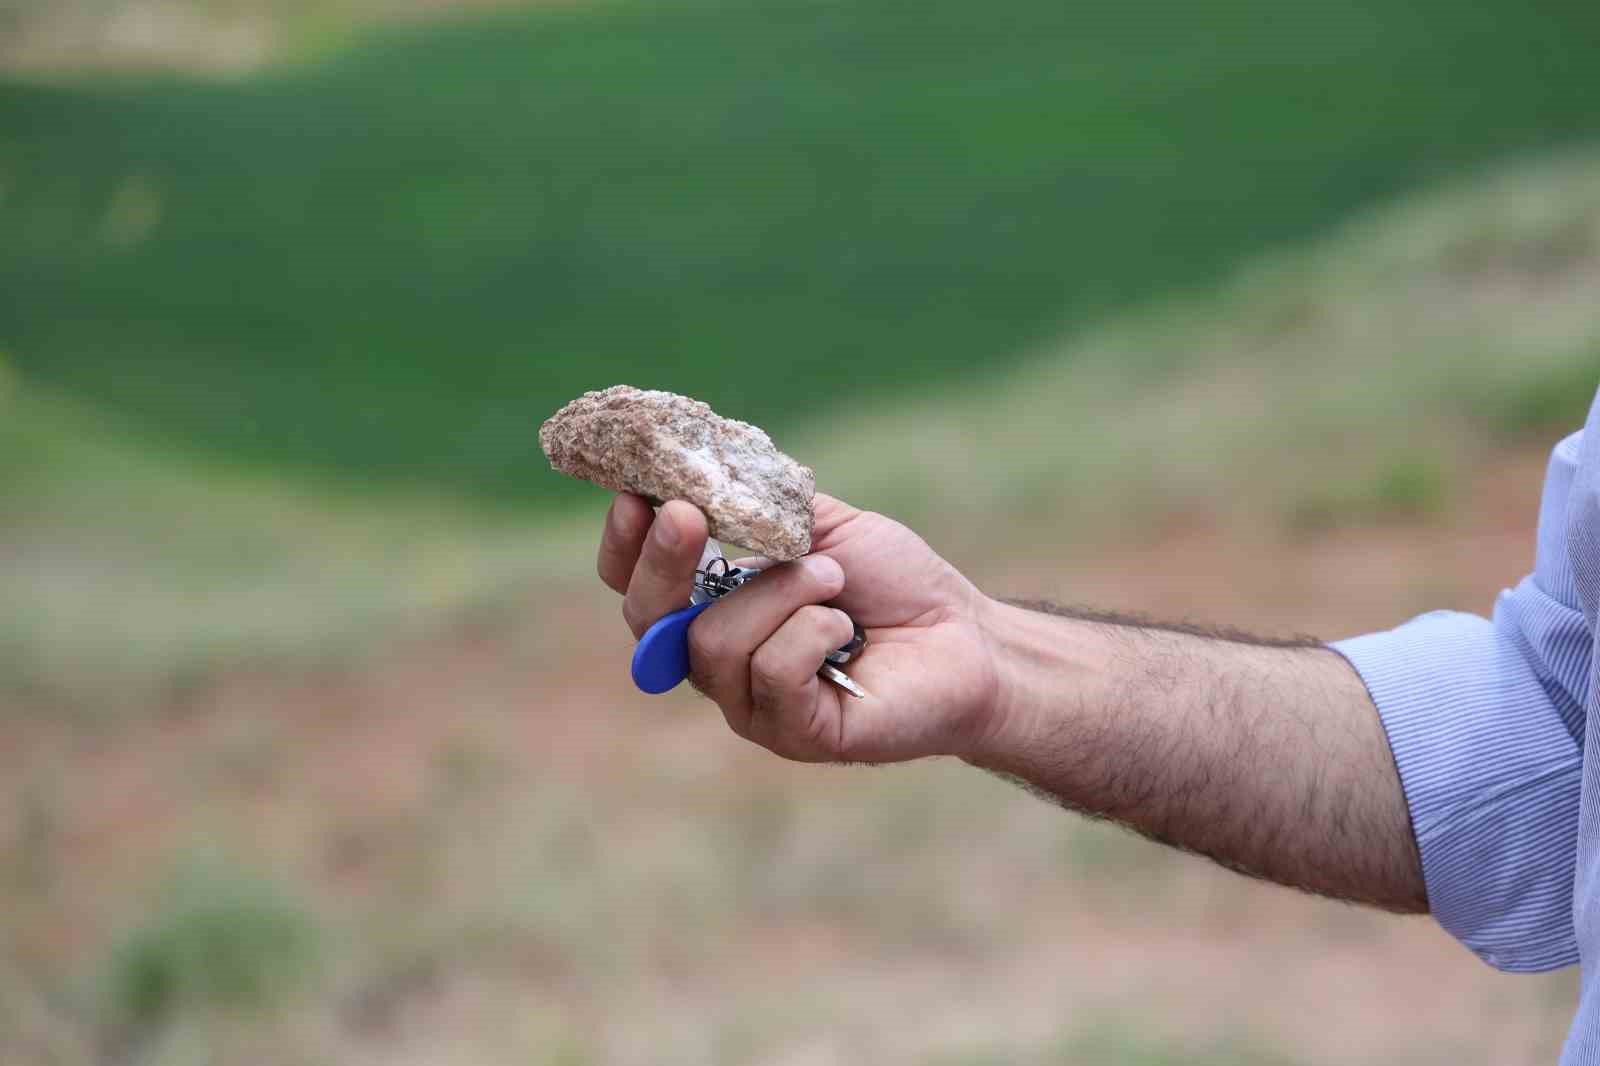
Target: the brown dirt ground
pixel 369 785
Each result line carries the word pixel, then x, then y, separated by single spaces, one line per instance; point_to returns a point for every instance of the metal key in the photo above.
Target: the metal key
pixel 842 679
pixel 661 659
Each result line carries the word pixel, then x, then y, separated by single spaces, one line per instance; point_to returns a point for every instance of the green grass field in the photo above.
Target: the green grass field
pixel 1357 379
pixel 390 263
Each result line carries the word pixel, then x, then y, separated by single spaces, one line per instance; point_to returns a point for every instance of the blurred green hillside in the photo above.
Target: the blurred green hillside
pixel 1360 378
pixel 391 263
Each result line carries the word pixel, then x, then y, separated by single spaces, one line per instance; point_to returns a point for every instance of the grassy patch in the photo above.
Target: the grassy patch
pixel 1400 488
pixel 217 940
pixel 1550 393
pixel 395 260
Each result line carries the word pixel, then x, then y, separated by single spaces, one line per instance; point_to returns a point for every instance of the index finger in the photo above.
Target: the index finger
pixel 663 576
pixel 620 540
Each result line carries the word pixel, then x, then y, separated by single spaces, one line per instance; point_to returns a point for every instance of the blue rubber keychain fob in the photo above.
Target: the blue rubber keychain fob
pixel 661 659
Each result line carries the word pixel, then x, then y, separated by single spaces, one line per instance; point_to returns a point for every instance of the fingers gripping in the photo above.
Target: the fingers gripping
pixel 756 654
pixel 662 577
pixel 785 689
pixel 723 639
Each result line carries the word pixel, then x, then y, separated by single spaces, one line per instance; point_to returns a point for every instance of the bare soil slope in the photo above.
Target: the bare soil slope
pixel 515 855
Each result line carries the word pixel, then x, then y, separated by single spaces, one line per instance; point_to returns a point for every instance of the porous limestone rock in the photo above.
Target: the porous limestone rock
pixel 668 447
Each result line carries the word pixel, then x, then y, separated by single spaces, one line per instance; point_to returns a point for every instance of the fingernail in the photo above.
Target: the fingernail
pixel 823 569
pixel 666 533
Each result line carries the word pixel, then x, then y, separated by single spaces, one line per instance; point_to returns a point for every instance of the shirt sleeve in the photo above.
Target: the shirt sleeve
pixel 1485 719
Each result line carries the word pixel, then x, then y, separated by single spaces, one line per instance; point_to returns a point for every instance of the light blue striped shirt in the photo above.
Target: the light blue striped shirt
pixel 1488 722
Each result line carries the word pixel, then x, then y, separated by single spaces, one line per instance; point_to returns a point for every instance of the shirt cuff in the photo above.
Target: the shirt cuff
pixel 1491 775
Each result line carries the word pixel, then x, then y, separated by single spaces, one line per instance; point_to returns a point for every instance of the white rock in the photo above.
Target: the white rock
pixel 668 447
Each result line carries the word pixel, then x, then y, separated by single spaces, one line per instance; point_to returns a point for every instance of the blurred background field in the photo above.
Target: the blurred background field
pixel 317 742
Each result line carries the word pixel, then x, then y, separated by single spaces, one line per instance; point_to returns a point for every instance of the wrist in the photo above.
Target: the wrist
pixel 1050 673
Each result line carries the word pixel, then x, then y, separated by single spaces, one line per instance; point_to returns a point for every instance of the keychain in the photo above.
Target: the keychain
pixel 661 659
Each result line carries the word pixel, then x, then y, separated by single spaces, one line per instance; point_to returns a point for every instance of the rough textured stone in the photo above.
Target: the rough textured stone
pixel 669 447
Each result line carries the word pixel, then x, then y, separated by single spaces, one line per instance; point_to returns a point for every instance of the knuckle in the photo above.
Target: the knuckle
pixel 768 675
pixel 819 620
pixel 809 614
pixel 705 642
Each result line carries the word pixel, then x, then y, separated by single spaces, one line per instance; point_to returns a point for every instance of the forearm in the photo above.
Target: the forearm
pixel 1268 758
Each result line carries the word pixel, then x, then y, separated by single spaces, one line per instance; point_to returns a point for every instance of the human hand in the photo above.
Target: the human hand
pixel 927 668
